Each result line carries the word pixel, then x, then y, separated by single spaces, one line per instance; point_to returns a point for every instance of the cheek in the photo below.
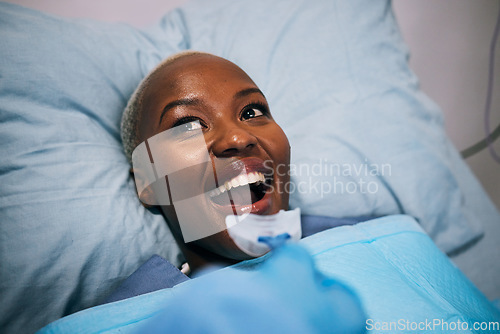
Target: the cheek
pixel 278 146
pixel 278 149
pixel 184 165
pixel 175 155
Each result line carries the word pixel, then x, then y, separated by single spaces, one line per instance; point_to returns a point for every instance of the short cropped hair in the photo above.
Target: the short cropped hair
pixel 132 113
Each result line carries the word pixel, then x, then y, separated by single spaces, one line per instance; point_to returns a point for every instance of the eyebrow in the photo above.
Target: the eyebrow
pixel 248 91
pixel 197 102
pixel 180 102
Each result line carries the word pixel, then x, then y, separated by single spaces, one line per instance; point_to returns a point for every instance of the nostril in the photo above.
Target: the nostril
pixel 234 150
pixel 230 151
pixel 234 141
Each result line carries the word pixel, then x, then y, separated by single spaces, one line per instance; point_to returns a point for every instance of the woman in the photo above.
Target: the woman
pixel 210 132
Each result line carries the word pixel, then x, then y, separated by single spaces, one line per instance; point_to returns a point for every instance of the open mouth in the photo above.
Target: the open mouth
pixel 238 188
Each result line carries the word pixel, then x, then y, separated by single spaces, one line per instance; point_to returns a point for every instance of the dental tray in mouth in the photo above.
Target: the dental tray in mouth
pixel 247 230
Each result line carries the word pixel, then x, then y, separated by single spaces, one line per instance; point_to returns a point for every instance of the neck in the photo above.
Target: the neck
pixel 199 258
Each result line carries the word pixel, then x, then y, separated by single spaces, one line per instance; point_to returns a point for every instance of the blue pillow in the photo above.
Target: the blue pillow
pixel 70 225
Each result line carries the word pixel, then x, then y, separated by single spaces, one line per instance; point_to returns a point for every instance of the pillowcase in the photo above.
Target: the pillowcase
pixel 71 228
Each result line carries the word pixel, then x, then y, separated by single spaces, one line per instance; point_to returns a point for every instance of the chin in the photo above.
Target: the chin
pixel 222 245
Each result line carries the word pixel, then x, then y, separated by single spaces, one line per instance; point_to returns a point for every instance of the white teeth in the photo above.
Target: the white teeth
pixel 235 182
pixel 240 180
pixel 253 177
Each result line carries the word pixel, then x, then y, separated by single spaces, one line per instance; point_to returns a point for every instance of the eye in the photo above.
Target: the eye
pixel 252 112
pixel 187 127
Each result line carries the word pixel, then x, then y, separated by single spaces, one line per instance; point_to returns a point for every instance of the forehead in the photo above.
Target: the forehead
pixel 191 74
pixel 209 78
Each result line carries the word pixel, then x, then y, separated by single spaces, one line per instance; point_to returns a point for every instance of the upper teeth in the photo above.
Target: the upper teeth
pixel 238 181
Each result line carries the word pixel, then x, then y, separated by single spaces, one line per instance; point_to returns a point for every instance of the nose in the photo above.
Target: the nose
pixel 233 140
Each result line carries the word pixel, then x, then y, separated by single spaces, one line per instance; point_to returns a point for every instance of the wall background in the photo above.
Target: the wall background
pixel 137 13
pixel 449 41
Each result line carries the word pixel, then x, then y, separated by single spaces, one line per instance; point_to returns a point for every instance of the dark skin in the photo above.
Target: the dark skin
pixel 238 129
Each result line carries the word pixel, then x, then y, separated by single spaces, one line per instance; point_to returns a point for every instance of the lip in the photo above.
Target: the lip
pixel 235 168
pixel 261 207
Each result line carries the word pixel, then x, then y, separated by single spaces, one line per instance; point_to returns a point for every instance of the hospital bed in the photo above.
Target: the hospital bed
pixel 366 141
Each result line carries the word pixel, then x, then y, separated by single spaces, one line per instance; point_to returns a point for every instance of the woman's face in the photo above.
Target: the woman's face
pixel 204 94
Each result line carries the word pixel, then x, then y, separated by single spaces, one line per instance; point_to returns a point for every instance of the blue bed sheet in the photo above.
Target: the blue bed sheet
pixel 394 268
